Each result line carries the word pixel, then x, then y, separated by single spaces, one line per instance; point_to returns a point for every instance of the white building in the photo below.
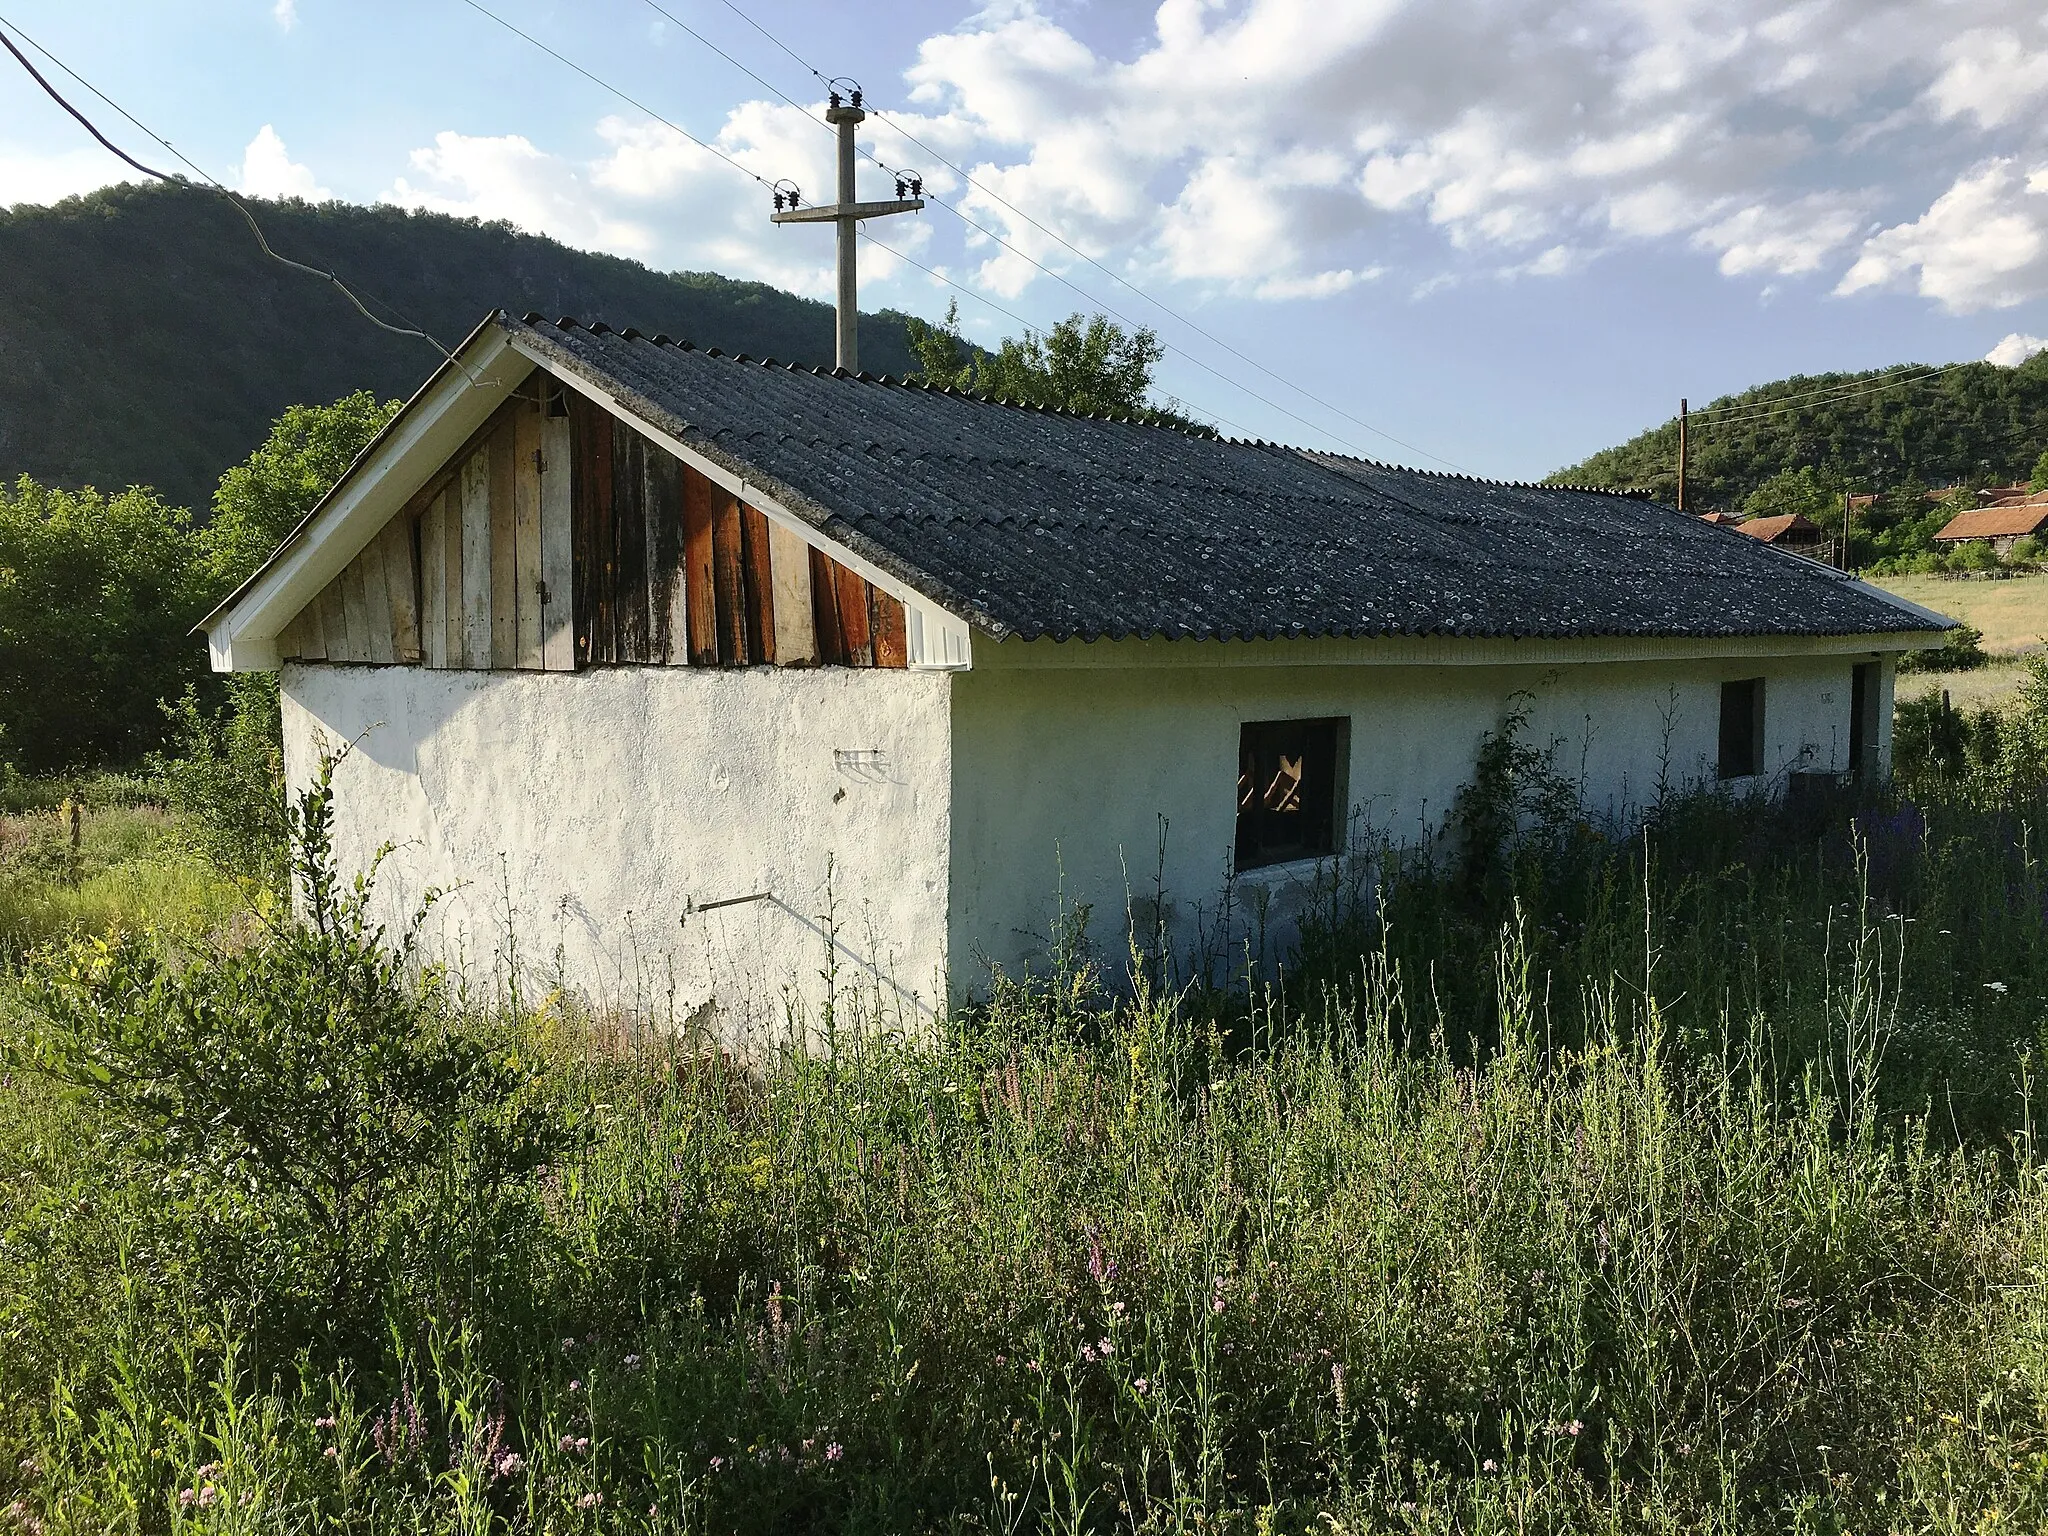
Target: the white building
pixel 679 666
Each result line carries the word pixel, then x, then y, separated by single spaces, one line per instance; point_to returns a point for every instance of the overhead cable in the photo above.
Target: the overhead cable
pixel 211 183
pixel 1052 234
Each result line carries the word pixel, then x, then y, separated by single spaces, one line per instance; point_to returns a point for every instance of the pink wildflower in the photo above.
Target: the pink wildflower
pixel 185 1498
pixel 834 1451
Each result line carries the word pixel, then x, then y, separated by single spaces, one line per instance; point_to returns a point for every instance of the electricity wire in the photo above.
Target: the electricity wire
pixel 1830 395
pixel 211 182
pixel 1052 234
pixel 1011 313
pixel 640 106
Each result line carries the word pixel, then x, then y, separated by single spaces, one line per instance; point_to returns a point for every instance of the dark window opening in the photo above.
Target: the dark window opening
pixel 1289 790
pixel 1862 699
pixel 1742 728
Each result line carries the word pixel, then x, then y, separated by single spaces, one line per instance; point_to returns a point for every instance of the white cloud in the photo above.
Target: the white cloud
pixel 29 176
pixel 1983 244
pixel 656 197
pixel 2016 349
pixel 1751 130
pixel 268 170
pixel 286 14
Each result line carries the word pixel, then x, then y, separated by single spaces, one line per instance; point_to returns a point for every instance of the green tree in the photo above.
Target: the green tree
pixel 1805 491
pixel 262 499
pixel 1088 364
pixel 98 595
pixel 2039 481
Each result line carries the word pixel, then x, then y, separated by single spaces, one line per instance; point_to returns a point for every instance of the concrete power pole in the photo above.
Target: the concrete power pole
pixel 1681 455
pixel 847 214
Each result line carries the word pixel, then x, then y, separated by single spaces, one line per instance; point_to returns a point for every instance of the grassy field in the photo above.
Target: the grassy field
pixel 1681 1184
pixel 1987 687
pixel 2013 614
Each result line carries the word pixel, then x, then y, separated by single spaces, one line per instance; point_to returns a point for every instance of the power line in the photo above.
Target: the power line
pixel 178 181
pixel 606 85
pixel 998 308
pixel 640 106
pixel 1111 273
pixel 1830 395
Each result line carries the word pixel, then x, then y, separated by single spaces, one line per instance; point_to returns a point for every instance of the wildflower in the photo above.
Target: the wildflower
pixel 654 1511
pixel 568 1443
pixel 325 1421
pixel 834 1451
pixel 1573 1428
pixel 1216 1306
pixel 590 1501
pixel 583 1443
pixel 574 1385
pixel 632 1362
pixel 510 1464
pixel 1489 1465
pixel 1996 986
pixel 1104 1348
pixel 246 1500
pixel 331 1454
pixel 185 1498
pixel 211 1469
pixel 1116 1309
pixel 208 1496
pixel 1141 1386
pixel 1088 1353
pixel 568 1346
pixel 1002 1360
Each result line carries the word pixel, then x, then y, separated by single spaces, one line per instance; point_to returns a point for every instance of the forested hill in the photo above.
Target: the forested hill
pixel 1977 422
pixel 145 339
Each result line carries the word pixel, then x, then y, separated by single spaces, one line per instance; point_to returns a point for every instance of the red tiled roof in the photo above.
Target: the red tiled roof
pixel 2011 522
pixel 1773 530
pixel 1720 519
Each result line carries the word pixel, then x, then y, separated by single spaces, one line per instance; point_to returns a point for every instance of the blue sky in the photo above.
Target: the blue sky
pixel 1502 232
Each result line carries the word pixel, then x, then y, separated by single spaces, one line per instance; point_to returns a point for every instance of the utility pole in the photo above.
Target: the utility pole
pixel 1681 455
pixel 847 214
pixel 1848 525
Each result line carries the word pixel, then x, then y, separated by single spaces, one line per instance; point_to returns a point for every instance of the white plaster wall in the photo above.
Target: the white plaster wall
pixel 1071 780
pixel 582 814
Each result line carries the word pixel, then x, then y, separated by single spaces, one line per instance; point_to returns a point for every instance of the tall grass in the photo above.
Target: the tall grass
pixel 1682 1183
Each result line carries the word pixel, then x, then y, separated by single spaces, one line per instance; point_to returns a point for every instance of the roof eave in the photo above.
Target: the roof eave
pixel 442 414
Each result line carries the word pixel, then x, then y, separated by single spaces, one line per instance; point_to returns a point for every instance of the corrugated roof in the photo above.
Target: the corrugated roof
pixel 1772 529
pixel 1036 522
pixel 2007 522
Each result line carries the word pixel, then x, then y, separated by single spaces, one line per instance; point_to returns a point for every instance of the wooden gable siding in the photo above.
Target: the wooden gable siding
pixel 558 538
pixel 671 569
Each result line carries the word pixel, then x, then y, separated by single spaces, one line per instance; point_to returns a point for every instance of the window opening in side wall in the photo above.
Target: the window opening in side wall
pixel 1290 791
pixel 1862 699
pixel 1742 728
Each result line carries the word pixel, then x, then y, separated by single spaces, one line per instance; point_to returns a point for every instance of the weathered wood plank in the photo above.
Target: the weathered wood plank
pixel 825 609
pixel 890 629
pixel 758 607
pixel 598 557
pixel 356 605
pixel 312 632
pixel 401 583
pixel 789 564
pixel 728 581
pixel 376 603
pixel 854 630
pixel 504 548
pixel 434 582
pixel 334 620
pixel 700 602
pixel 527 624
pixel 557 545
pixel 661 497
pixel 629 541
pixel 476 559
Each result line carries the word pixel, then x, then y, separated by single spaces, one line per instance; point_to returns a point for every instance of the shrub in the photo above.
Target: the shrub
pixel 1961 651
pixel 301 1089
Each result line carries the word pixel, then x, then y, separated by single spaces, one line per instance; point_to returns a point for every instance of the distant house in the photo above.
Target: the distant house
pixel 1790 530
pixel 700 680
pixel 1722 519
pixel 2001 525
